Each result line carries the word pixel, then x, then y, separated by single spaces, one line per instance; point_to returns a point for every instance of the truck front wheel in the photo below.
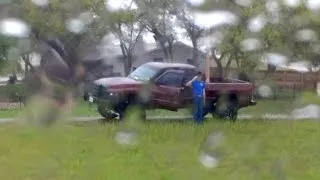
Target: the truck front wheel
pixel 105 112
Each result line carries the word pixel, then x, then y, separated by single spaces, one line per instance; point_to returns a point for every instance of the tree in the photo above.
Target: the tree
pixel 158 18
pixel 69 20
pixel 126 25
pixel 193 31
pixel 286 31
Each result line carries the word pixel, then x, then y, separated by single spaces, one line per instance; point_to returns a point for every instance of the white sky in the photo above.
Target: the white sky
pixel 148 37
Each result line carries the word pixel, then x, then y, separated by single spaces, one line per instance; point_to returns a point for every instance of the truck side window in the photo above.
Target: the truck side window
pixel 190 73
pixel 171 79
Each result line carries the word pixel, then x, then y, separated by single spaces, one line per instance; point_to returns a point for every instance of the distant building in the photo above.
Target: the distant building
pixel 182 53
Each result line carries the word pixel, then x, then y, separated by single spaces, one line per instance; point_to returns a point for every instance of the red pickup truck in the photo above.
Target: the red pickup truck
pixel 158 85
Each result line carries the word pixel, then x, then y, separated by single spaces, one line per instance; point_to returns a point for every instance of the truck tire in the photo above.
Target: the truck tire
pixel 229 111
pixel 123 107
pixel 106 113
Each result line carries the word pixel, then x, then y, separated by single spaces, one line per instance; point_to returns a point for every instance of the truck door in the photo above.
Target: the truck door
pixel 186 94
pixel 167 90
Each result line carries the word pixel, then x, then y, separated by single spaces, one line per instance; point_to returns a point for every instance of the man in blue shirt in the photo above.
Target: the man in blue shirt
pixel 199 96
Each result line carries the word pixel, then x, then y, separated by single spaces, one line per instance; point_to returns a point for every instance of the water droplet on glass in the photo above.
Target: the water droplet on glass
pixel 14 27
pixel 292 3
pixel 145 93
pixel 278 169
pixel 41 3
pixel 276 59
pixel 264 91
pixel 217 18
pixel 256 24
pixel 316 48
pixel 115 5
pixel 213 141
pixel 306 35
pixel 86 17
pixel 311 111
pixel 313 5
pixel 244 3
pixel 272 6
pixel 213 39
pixel 250 44
pixel 209 154
pixel 208 161
pixel 126 137
pixel 75 25
pixel 196 2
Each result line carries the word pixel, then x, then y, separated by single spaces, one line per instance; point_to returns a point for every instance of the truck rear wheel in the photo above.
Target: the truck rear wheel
pixel 227 110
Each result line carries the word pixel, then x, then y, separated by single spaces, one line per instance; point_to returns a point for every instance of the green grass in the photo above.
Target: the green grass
pixel 166 151
pixel 83 109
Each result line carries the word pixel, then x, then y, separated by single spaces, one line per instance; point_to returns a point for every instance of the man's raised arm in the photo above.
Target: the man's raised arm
pixel 190 82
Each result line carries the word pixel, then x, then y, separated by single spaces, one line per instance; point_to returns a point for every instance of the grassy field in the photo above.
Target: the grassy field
pixel 84 109
pixel 165 151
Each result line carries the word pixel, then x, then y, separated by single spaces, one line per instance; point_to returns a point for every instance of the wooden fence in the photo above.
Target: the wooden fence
pixel 282 80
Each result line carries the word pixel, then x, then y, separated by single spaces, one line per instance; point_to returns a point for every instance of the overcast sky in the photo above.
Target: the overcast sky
pixel 148 37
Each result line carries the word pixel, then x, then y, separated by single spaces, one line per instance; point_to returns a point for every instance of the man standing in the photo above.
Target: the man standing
pixel 199 96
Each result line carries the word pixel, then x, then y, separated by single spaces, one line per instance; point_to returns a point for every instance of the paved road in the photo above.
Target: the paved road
pixel 240 117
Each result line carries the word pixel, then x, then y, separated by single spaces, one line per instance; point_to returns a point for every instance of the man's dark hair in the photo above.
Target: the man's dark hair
pixel 199 73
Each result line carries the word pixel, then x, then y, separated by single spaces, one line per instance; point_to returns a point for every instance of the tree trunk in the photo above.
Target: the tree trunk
pixel 164 50
pixel 227 68
pixel 124 58
pixel 162 40
pixel 170 52
pixel 195 53
pixel 129 64
pixel 219 64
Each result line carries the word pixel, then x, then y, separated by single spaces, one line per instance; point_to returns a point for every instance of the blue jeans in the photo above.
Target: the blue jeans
pixel 198 109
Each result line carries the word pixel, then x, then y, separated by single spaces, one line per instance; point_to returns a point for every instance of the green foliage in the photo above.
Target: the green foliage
pixel 13 92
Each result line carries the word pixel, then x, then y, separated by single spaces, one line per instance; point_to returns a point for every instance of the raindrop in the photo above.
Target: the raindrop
pixel 75 25
pixel 272 6
pixel 311 111
pixel 86 17
pixel 314 5
pixel 244 3
pixel 276 59
pixel 306 35
pixel 292 3
pixel 14 27
pixel 213 141
pixel 209 150
pixel 212 40
pixel 13 54
pixel 126 137
pixel 145 93
pixel 196 2
pixel 250 44
pixel 256 24
pixel 217 18
pixel 316 48
pixel 265 91
pixel 208 161
pixel 115 5
pixel 41 3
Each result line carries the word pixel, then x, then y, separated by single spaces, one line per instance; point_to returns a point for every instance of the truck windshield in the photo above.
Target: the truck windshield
pixel 143 73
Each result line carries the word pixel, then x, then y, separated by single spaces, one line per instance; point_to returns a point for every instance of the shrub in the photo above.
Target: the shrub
pixel 13 92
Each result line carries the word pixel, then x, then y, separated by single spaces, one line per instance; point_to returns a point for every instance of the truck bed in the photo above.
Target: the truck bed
pixel 216 84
